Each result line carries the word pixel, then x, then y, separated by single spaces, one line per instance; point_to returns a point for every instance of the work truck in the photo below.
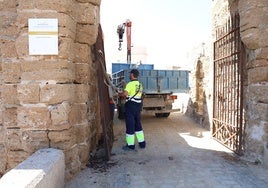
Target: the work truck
pixel 159 86
pixel 160 89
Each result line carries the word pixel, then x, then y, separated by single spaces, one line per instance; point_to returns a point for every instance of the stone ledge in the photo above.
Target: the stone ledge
pixel 45 168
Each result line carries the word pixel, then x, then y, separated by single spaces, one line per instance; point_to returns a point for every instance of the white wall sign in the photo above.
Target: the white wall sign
pixel 43 36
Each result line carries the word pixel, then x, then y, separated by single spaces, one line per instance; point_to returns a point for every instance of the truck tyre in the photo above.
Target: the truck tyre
pixel 158 115
pixel 166 114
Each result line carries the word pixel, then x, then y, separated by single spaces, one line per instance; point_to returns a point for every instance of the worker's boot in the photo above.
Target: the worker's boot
pixel 129 148
pixel 142 144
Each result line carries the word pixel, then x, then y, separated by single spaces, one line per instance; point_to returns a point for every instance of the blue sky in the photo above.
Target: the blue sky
pixel 167 30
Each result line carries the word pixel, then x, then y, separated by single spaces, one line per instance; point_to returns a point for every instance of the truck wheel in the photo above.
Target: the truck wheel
pixel 158 115
pixel 166 114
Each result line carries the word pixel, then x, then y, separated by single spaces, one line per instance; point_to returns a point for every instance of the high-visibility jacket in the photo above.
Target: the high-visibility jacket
pixel 134 89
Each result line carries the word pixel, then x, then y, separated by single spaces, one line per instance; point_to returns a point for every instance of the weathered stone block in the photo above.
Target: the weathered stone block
pixel 254 37
pixel 9 94
pixel 8 49
pixel 60 116
pixel 83 152
pixel 60 71
pixel 63 140
pixel 34 118
pixel 85 13
pixel 3 158
pixel 94 2
pixel 81 54
pixel 258 74
pixel 72 168
pixel 258 111
pixel 82 133
pixel 82 73
pixel 11 72
pixel 67 26
pixel 257 63
pixel 28 93
pixel 8 5
pixel 266 132
pixel 57 93
pixel 22 45
pixel 64 6
pixel 16 157
pixel 26 4
pixel 248 5
pixel 7 24
pixel 70 154
pixel 87 33
pixel 256 130
pixel 256 93
pixel 13 139
pixel 253 18
pixel 34 140
pixel 66 49
pixel 262 54
pixel 10 118
pixel 82 91
pixel 2 134
pixel 78 114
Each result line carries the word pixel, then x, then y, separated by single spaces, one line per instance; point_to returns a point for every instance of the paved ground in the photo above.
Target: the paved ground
pixel 179 153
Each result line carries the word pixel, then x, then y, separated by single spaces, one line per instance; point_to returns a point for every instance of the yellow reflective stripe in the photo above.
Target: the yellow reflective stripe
pixel 43 33
pixel 140 136
pixel 130 138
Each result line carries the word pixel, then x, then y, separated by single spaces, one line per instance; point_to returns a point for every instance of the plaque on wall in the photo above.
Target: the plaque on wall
pixel 43 36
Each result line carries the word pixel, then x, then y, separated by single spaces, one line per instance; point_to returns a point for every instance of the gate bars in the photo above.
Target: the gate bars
pixel 228 120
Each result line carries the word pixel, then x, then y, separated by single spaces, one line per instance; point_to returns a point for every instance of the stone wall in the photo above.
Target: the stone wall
pixel 253 30
pixel 200 106
pixel 48 101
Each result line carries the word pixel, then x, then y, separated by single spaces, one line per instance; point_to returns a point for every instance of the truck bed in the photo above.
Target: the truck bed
pixel 157 81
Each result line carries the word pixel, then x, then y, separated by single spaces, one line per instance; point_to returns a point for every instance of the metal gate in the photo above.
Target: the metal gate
pixel 105 115
pixel 229 59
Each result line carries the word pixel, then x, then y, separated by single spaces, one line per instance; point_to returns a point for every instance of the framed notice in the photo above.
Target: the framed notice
pixel 43 36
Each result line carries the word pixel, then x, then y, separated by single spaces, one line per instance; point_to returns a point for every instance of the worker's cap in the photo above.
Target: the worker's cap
pixel 135 72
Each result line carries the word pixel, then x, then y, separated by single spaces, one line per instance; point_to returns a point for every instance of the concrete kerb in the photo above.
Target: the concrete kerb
pixel 45 168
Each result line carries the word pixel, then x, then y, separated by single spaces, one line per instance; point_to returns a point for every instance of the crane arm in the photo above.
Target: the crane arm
pixel 121 31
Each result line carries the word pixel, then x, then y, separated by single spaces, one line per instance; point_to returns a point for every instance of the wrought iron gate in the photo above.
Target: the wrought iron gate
pixel 229 58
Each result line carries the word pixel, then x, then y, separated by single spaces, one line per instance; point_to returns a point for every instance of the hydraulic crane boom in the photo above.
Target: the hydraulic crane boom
pixel 120 31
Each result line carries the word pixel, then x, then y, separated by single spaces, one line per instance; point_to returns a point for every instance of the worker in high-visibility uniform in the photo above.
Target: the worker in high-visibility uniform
pixel 133 105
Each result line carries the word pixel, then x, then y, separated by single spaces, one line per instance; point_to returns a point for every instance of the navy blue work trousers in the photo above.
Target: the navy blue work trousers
pixel 133 117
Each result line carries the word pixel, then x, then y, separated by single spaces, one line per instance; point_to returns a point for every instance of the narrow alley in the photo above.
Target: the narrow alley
pixel 179 153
